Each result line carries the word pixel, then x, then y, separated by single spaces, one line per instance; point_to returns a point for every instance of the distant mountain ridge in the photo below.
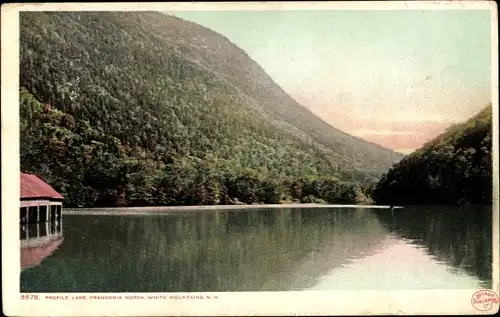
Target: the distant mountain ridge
pixel 453 168
pixel 163 90
pixel 294 113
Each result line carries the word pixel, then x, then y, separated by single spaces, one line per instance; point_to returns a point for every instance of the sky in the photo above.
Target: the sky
pixel 396 78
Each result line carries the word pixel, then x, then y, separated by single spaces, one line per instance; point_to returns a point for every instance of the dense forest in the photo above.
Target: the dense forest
pixel 453 168
pixel 128 108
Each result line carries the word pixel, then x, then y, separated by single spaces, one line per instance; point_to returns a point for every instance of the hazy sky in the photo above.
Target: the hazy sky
pixel 396 78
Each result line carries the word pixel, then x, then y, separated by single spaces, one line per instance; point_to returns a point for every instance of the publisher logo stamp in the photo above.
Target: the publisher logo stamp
pixel 484 300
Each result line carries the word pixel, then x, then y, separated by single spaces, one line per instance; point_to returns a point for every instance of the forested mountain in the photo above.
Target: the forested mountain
pixel 453 168
pixel 141 108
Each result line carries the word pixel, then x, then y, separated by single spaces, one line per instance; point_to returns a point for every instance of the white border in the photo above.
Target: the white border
pixel 262 303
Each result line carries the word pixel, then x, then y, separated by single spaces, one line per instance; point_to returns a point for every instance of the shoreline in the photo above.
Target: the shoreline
pixel 177 209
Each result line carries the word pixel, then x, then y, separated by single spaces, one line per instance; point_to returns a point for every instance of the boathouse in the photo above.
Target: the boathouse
pixel 39 201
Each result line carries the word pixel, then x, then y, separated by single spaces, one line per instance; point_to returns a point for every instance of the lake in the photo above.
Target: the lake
pixel 261 249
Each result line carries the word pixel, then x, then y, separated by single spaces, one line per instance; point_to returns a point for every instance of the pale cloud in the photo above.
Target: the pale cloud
pixel 371 132
pixel 399 90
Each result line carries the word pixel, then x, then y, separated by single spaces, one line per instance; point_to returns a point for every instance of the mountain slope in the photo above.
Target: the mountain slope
pixel 453 168
pixel 153 89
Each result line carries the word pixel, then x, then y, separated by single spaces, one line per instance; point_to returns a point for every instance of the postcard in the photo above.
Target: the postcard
pixel 250 158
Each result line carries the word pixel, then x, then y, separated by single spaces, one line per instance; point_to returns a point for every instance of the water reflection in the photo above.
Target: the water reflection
pixel 39 241
pixel 252 250
pixel 268 250
pixel 458 236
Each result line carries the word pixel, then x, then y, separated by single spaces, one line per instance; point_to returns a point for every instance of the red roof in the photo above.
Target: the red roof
pixel 34 187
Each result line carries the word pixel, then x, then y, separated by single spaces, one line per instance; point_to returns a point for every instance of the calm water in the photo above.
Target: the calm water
pixel 263 250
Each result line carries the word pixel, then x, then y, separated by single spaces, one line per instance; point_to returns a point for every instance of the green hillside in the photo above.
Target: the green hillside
pixel 122 108
pixel 453 168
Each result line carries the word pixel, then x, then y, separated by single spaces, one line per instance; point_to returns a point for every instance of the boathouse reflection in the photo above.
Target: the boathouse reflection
pixel 38 241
